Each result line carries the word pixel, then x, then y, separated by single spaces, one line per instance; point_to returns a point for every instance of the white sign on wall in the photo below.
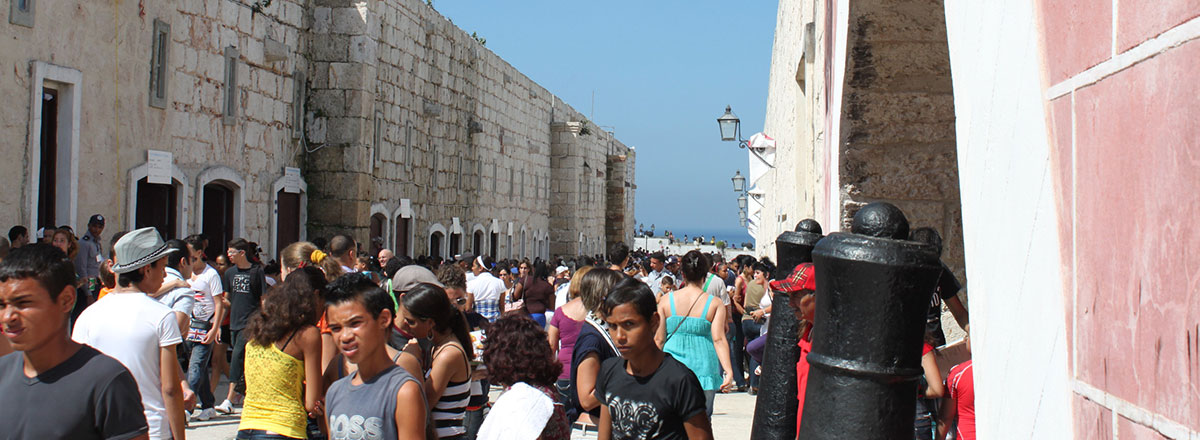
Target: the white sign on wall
pixel 159 164
pixel 291 180
pixel 405 208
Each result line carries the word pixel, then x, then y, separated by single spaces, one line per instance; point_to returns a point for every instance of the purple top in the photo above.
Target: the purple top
pixel 568 332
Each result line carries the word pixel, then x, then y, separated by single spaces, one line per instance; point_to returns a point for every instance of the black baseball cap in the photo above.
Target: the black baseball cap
pixel 96 220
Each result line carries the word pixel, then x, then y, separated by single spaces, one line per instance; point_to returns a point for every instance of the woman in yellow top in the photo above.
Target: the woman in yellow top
pixel 283 353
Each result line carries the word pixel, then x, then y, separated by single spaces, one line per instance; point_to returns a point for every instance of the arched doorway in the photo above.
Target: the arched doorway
pixel 378 228
pixel 435 244
pixel 157 206
pixel 477 243
pixel 217 221
pixel 402 233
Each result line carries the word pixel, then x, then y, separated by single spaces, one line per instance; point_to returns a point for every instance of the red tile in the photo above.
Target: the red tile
pixel 1092 421
pixel 1077 35
pixel 1128 430
pixel 1138 247
pixel 1140 20
pixel 1061 167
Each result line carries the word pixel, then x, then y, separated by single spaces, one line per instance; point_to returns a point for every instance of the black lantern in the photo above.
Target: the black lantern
pixel 739 182
pixel 729 123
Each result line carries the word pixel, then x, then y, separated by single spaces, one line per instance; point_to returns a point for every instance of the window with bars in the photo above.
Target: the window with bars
pixel 159 60
pixel 299 83
pixel 20 12
pixel 229 109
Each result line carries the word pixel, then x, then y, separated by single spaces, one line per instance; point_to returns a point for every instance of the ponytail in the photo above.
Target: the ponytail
pixel 458 324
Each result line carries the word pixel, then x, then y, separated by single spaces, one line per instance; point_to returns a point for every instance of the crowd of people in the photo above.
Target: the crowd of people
pixel 326 341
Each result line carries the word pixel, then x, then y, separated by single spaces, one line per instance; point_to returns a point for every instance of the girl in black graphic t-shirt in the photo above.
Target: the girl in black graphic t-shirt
pixel 647 394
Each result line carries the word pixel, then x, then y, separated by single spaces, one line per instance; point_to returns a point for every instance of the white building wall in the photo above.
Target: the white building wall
pixel 1009 222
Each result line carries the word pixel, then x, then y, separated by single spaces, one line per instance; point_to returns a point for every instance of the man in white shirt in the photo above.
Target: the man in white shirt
pixel 345 250
pixel 657 271
pixel 484 290
pixel 140 332
pixel 207 316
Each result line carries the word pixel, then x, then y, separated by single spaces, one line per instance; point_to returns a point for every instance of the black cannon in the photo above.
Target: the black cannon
pixel 775 409
pixel 873 291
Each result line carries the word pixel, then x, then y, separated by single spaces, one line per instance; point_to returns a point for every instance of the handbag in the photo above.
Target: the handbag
pixel 198 330
pixel 509 304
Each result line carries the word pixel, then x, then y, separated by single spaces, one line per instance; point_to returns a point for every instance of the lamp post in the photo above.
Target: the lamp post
pixel 739 182
pixel 731 130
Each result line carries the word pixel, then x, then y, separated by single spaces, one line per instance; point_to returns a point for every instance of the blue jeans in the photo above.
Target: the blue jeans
pixel 540 318
pixel 737 352
pixel 197 372
pixel 752 329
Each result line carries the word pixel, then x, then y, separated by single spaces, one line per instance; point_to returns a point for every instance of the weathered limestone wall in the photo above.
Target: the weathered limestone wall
pixel 794 97
pixel 406 117
pixel 898 138
pixel 464 137
pixel 109 44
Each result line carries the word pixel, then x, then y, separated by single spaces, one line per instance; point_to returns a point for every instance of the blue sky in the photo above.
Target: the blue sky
pixel 662 72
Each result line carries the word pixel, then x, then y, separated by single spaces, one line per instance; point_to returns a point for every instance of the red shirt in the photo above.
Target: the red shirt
pixel 962 389
pixel 802 375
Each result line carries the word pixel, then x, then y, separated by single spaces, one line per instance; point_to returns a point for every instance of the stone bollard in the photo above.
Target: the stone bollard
pixel 775 409
pixel 873 289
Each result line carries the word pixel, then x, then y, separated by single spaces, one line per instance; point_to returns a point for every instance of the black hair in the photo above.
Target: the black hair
pixel 630 291
pixel 541 270
pixel 340 245
pixel 766 267
pixel 659 256
pixel 272 267
pixel 196 242
pixel 286 308
pixel 928 236
pixel 242 245
pixel 359 287
pixel 44 263
pixel 745 261
pixel 393 265
pixel 181 251
pixel 17 231
pixel 695 266
pixel 428 301
pixel 320 243
pixel 130 278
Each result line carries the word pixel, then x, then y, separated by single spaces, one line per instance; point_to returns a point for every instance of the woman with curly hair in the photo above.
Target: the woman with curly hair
pixel 283 369
pixel 518 357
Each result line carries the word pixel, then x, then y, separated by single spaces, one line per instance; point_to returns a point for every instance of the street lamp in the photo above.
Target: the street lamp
pixel 742 202
pixel 729 123
pixel 739 182
pixel 731 130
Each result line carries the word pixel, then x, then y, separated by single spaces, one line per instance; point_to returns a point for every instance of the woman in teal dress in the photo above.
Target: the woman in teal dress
pixel 693 331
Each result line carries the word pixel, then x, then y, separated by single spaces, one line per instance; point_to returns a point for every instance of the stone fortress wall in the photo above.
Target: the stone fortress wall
pixel 378 118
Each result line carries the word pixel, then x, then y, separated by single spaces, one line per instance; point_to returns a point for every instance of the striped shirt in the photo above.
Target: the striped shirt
pixel 450 409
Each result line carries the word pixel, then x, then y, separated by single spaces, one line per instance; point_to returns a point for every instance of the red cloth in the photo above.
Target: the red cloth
pixel 802 375
pixel 926 348
pixel 962 389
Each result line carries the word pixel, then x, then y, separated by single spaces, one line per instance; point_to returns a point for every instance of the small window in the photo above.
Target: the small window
pixel 433 169
pixel 158 63
pixel 408 141
pixel 20 12
pixel 522 185
pixel 299 84
pixel 377 141
pixel 495 177
pixel 512 182
pixel 229 110
pixel 458 178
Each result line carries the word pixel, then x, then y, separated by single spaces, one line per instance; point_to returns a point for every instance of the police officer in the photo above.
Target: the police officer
pixel 91 254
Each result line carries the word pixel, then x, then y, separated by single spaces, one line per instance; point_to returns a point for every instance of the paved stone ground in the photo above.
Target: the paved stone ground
pixel 731 420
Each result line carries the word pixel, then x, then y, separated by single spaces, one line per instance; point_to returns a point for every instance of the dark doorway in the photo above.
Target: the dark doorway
pixel 217 223
pixel 48 168
pixel 455 244
pixel 156 206
pixel 435 244
pixel 287 222
pixel 401 236
pixel 378 228
pixel 494 245
pixel 477 243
